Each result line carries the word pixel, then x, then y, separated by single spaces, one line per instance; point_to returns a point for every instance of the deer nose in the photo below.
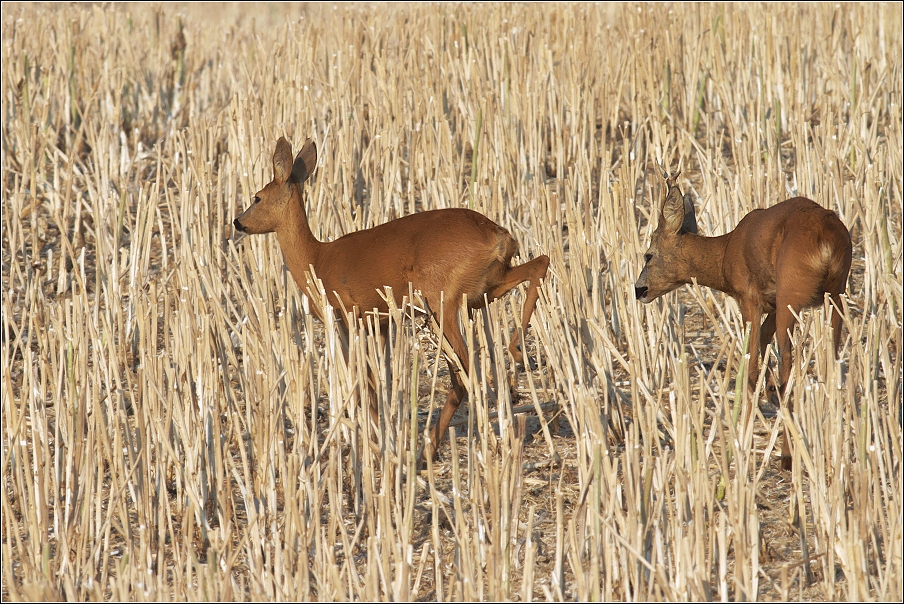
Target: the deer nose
pixel 238 225
pixel 640 292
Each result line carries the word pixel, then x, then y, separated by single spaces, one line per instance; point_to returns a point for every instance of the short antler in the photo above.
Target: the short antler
pixel 672 180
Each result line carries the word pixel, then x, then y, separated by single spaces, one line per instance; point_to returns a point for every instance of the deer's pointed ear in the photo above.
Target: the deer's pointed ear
pixel 673 210
pixel 282 160
pixel 690 216
pixel 305 162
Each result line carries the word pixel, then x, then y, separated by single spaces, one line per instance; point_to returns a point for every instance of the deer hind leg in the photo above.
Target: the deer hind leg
pixel 452 332
pixel 532 272
pixel 836 309
pixel 836 284
pixel 784 323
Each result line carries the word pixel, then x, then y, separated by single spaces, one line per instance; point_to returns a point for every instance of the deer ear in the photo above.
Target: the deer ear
pixel 282 160
pixel 305 162
pixel 690 216
pixel 673 211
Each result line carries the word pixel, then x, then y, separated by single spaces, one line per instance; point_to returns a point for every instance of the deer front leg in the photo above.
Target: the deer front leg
pixel 767 330
pixel 751 314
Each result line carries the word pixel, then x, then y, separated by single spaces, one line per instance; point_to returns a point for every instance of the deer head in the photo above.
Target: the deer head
pixel 272 203
pixel 663 259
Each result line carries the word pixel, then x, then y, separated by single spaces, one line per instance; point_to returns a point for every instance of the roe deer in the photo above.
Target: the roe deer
pixel 446 254
pixel 776 261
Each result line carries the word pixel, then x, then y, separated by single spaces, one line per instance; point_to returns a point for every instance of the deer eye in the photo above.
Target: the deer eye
pixel 256 199
pixel 647 257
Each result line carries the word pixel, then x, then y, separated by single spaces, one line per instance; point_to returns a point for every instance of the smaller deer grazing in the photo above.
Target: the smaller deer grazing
pixel 776 262
pixel 445 254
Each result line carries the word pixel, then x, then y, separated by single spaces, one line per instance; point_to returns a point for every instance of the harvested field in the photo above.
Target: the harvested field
pixel 177 426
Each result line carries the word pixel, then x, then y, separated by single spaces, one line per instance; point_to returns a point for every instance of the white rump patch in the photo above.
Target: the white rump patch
pixel 822 255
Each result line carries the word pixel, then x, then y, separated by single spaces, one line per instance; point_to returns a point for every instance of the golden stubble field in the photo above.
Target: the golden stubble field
pixel 176 425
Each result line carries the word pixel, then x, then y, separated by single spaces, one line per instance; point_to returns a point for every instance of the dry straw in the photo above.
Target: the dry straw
pixel 176 426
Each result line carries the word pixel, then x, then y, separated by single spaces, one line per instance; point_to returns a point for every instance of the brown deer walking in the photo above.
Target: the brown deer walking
pixel 445 254
pixel 776 262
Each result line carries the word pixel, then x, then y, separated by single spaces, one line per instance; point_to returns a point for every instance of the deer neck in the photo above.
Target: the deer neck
pixel 703 258
pixel 297 242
